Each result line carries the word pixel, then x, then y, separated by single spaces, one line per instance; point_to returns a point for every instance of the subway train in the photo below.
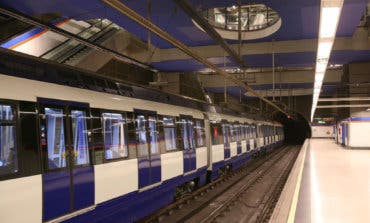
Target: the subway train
pixel 75 153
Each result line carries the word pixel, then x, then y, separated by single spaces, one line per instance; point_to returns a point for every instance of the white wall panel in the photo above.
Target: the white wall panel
pixel 172 165
pixel 201 154
pixel 359 134
pixel 322 131
pixel 21 200
pixel 115 179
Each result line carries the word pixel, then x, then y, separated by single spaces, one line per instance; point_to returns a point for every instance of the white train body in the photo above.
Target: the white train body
pixel 75 154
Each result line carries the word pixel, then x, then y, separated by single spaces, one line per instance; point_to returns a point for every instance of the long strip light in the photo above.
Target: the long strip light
pixel 330 11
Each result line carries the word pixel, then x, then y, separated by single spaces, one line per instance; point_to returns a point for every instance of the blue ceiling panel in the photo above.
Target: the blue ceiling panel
pixel 281 59
pixel 349 56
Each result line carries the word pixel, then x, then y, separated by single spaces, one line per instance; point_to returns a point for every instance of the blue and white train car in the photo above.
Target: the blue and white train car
pixel 138 159
pixel 354 132
pixel 232 142
pixel 78 155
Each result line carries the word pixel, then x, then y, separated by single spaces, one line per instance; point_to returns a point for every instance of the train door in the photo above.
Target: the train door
pixel 248 137
pixel 239 137
pixel 226 135
pixel 68 179
pixel 149 158
pixel 187 133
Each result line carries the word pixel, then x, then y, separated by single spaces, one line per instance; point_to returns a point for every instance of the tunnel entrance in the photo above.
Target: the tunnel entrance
pixel 296 127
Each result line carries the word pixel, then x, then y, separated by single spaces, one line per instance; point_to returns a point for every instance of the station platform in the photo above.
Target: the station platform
pixel 328 183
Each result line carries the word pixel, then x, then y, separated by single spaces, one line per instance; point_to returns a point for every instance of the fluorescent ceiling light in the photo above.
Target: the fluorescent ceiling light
pixel 321 66
pixel 328 21
pixel 319 77
pixel 330 11
pixel 324 50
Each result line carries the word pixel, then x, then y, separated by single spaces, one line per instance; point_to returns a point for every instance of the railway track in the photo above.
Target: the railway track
pixel 255 188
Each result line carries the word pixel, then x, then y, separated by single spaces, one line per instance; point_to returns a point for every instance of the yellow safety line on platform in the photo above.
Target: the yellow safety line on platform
pixel 293 206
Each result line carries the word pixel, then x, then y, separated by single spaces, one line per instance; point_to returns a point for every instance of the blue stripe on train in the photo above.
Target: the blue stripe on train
pixel 226 150
pixel 149 170
pixel 83 187
pixel 136 205
pixel 155 173
pixel 57 191
pixel 190 162
pixel 56 194
pixel 144 171
pixel 239 147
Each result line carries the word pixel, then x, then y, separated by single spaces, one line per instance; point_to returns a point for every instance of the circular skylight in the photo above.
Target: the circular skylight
pixel 257 21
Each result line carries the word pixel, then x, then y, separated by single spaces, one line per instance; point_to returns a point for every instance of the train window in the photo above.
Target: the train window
pixel 153 135
pixel 226 133
pixel 7 113
pixel 191 134
pixel 169 133
pixel 233 133
pixel 115 144
pixel 80 134
pixel 200 133
pixel 216 134
pixel 243 132
pixel 142 144
pixel 55 138
pixel 8 142
pixel 237 133
pixel 185 135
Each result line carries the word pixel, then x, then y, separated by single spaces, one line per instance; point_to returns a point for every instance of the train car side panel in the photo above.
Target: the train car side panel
pixel 125 180
pixel 201 159
pixel 172 165
pixel 21 199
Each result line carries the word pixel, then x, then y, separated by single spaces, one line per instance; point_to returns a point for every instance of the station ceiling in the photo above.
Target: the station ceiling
pixel 300 21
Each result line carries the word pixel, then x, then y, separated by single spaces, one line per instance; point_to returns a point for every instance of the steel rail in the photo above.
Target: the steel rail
pixel 131 14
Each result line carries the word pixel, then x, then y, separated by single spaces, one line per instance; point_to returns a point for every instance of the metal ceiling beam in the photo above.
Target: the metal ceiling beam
pixel 344 106
pixel 36 22
pixel 204 24
pixel 345 99
pixel 123 9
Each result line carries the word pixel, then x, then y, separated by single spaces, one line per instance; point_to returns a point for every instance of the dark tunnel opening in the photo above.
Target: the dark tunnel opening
pixel 296 127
